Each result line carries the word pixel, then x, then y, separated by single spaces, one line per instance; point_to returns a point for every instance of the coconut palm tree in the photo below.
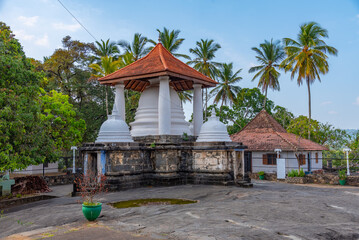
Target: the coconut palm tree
pixel 307 57
pixel 106 49
pixel 269 55
pixel 226 91
pixel 203 61
pixel 137 48
pixel 107 65
pixel 170 41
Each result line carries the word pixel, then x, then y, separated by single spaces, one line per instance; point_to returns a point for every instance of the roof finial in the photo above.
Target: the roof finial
pixel 159 37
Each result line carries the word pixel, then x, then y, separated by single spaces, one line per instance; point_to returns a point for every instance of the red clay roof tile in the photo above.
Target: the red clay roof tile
pixel 158 62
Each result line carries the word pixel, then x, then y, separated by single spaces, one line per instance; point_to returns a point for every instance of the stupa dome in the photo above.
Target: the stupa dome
pixel 146 120
pixel 114 129
pixel 213 130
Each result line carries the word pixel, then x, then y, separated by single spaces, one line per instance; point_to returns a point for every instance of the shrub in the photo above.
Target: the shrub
pixel 90 184
pixel 261 173
pixel 342 174
pixel 295 173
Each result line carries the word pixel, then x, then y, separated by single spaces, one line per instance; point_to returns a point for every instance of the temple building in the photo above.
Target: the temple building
pixel 160 147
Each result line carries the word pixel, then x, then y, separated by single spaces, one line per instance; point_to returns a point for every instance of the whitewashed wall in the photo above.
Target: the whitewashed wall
pixel 37 169
pixel 290 162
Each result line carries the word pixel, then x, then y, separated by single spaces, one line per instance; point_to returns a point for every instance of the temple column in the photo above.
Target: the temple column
pixel 120 100
pixel 164 107
pixel 197 109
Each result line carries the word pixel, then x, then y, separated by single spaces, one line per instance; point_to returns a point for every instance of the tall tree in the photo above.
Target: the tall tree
pixel 107 48
pixel 171 41
pixel 34 126
pixel 67 71
pixel 137 48
pixel 226 90
pixel 269 55
pixel 307 58
pixel 106 66
pixel 203 62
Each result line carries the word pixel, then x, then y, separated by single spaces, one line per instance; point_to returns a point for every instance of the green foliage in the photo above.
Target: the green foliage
pixel 261 173
pixel 248 103
pixel 137 49
pixel 295 173
pixel 171 41
pixel 27 116
pixel 324 134
pixel 269 54
pixel 342 174
pixel 226 90
pixel 63 127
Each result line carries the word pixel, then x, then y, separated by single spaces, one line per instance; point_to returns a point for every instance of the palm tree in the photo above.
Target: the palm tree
pixel 268 55
pixel 170 41
pixel 307 57
pixel 106 66
pixel 226 90
pixel 107 49
pixel 137 48
pixel 204 54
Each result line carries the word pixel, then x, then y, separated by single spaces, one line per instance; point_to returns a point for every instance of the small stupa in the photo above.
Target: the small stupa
pixel 114 129
pixel 213 130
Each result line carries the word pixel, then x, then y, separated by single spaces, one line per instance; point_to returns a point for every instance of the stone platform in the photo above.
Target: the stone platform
pixel 165 161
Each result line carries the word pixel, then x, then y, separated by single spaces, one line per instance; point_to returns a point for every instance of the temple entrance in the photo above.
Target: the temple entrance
pixel 247 161
pixel 92 163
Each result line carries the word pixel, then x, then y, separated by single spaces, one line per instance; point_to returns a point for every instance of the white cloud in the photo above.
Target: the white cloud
pixel 44 41
pixel 356 101
pixel 357 16
pixel 23 36
pixel 326 103
pixel 68 27
pixel 332 112
pixel 28 21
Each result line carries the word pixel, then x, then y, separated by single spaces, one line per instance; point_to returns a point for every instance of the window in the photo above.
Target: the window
pixel 316 158
pixel 302 159
pixel 269 159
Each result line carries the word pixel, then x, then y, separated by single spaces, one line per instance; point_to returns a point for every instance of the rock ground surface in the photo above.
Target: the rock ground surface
pixel 269 210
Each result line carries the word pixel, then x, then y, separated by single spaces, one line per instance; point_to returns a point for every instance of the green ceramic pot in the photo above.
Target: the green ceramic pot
pixel 91 212
pixel 342 182
pixel 261 177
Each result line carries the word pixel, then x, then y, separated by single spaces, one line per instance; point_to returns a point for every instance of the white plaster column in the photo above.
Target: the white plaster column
pixel 120 100
pixel 197 109
pixel 164 106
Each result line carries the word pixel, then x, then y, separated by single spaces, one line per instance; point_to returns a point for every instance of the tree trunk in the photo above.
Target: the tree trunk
pixel 310 108
pixel 265 98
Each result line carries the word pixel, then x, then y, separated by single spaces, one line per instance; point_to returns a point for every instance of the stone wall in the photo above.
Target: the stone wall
pixel 60 179
pixel 162 162
pixel 318 178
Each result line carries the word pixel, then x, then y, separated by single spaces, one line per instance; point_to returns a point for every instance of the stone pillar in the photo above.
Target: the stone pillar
pixel 197 109
pixel 103 161
pixel 164 107
pixel 120 100
pixel 86 163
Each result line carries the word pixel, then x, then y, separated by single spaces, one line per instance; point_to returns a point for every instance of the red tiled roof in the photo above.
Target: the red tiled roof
pixel 264 133
pixel 158 62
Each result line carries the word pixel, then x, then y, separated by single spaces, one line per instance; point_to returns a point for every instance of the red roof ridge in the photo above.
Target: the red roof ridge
pixel 163 59
pixel 139 60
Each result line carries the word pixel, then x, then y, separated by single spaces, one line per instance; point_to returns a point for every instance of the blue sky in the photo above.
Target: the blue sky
pixel 236 25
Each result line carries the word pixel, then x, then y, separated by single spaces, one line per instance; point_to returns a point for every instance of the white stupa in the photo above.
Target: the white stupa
pixel 213 130
pixel 114 129
pixel 146 120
